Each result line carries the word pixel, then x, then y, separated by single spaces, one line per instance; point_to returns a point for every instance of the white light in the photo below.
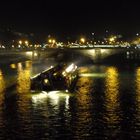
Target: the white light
pixel 66 90
pixel 39 97
pixel 46 81
pixel 67 102
pixel 35 76
pixel 92 75
pixel 53 96
pixel 70 68
pixel 56 96
pixel 53 93
pixel 64 73
pixel 29 53
pixel 35 54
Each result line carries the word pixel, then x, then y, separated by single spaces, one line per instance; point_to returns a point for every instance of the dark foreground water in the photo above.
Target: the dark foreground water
pixel 105 105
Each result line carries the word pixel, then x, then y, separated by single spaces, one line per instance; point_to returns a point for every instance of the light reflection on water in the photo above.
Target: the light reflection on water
pixel 101 107
pixel 2 82
pixel 83 115
pixel 112 94
pixel 112 103
pixel 137 82
pixel 54 98
pixel 23 80
pixel 2 88
pixel 23 98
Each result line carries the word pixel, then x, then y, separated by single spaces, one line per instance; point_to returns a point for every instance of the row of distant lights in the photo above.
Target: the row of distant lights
pixel 2 47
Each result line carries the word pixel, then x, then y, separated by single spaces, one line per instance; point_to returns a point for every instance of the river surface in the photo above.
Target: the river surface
pixel 105 104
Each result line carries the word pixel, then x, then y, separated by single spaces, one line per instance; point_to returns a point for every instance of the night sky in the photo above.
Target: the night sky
pixel 71 17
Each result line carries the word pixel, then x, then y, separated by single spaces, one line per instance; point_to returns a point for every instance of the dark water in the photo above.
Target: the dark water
pixel 105 105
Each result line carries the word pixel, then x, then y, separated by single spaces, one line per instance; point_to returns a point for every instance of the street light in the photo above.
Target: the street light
pixel 82 40
pixel 20 42
pixel 26 43
pixel 50 41
pixel 112 39
pixel 53 41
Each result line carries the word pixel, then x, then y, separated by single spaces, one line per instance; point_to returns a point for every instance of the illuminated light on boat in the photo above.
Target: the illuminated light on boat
pixel 29 53
pixel 56 78
pixel 92 75
pixel 46 81
pixel 13 66
pixel 35 76
pixel 64 73
pixel 71 68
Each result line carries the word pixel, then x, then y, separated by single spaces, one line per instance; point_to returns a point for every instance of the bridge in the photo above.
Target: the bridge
pixel 97 55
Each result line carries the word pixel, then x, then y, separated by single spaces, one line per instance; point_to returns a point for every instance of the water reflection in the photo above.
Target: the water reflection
pixel 112 95
pixel 24 99
pixel 2 82
pixel 104 106
pixel 23 86
pixel 84 88
pixel 83 109
pixel 137 80
pixel 54 97
pixel 53 108
pixel 2 94
pixel 23 80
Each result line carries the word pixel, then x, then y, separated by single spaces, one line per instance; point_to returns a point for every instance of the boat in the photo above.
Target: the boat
pixel 59 77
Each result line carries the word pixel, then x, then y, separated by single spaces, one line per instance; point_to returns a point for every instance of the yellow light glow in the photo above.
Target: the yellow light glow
pixel 50 41
pixel 2 82
pixel 70 68
pixel 92 75
pixel 84 101
pixel 112 39
pixel 112 93
pixel 46 81
pixel 28 64
pixel 23 81
pixel 53 41
pixel 82 40
pixel 20 42
pixel 13 66
pixel 26 43
pixel 137 98
pixel 29 53
pixel 35 54
pixel 64 73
